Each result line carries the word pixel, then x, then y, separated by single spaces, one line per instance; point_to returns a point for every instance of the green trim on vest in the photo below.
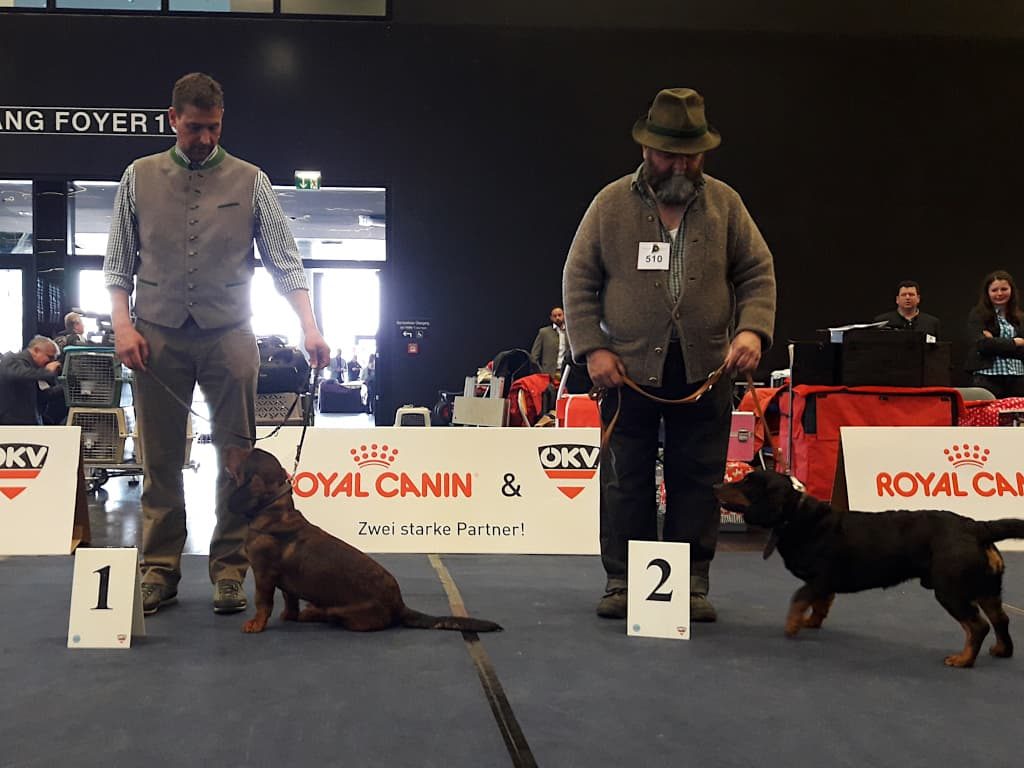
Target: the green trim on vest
pixel 218 157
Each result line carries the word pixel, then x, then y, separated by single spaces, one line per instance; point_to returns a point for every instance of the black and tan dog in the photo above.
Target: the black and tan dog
pixel 287 552
pixel 835 551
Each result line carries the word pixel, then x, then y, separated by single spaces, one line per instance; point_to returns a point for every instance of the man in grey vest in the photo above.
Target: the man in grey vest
pixel 183 226
pixel 667 278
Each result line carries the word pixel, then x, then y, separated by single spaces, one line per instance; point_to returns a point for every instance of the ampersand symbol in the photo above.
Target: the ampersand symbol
pixel 508 489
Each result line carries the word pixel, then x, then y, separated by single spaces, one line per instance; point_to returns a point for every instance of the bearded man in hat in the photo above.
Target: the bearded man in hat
pixel 667 279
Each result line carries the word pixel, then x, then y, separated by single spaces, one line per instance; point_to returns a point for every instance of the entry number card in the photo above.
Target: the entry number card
pixel 658 600
pixel 106 600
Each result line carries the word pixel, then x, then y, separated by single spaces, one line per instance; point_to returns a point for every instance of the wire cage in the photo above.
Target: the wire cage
pixel 277 407
pixel 104 431
pixel 92 377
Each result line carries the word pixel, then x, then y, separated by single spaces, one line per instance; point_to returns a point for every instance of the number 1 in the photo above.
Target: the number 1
pixel 101 599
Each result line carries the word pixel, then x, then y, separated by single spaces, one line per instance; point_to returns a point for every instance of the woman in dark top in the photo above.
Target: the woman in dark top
pixel 995 341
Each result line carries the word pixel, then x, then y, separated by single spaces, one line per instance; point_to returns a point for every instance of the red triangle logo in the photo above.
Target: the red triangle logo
pixel 10 493
pixel 571 491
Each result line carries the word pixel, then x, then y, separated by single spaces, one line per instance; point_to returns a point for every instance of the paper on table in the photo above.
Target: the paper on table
pixel 836 333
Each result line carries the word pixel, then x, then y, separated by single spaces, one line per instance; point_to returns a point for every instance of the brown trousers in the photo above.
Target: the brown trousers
pixel 225 363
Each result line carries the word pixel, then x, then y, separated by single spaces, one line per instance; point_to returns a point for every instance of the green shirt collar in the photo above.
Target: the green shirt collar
pixel 216 157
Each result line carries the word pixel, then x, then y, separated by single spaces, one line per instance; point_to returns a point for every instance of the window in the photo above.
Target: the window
pixel 336 7
pixel 329 224
pixel 11 329
pixel 16 217
pixel 337 223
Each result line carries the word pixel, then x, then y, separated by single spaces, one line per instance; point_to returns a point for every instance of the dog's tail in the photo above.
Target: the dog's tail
pixel 411 618
pixel 997 530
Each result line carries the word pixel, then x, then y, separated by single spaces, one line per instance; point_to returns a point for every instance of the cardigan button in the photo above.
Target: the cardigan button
pixel 653 379
pixel 658 350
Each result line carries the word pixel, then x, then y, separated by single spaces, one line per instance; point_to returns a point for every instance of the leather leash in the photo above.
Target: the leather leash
pixel 599 393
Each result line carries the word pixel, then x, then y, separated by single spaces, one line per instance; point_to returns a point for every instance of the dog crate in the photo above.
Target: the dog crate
pixel 274 408
pixel 92 377
pixel 104 431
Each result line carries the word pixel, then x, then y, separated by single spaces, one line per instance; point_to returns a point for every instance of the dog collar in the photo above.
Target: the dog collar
pixel 773 538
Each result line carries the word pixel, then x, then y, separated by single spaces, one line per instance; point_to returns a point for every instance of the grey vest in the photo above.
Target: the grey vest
pixel 195 240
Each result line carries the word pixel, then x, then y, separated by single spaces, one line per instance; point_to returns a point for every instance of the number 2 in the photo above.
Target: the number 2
pixel 101 598
pixel 666 569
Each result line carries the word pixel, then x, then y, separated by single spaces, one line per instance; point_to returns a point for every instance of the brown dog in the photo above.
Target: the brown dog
pixel 835 551
pixel 287 552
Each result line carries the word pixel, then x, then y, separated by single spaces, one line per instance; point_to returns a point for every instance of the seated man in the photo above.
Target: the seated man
pixel 20 376
pixel 73 333
pixel 907 316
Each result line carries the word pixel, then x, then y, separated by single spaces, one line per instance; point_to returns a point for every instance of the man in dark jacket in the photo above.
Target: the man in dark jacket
pixel 667 279
pixel 20 376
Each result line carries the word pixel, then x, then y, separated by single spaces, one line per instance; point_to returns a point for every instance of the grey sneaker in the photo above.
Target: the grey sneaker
pixel 229 597
pixel 701 608
pixel 613 604
pixel 156 596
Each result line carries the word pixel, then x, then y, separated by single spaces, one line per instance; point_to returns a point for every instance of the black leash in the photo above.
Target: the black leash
pixel 307 414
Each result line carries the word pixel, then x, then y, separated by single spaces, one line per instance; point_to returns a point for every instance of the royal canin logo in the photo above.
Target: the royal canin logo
pixel 20 463
pixel 569 466
pixel 354 484
pixel 949 484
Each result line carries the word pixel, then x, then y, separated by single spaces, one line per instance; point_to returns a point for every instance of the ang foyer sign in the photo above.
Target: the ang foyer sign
pixel 84 121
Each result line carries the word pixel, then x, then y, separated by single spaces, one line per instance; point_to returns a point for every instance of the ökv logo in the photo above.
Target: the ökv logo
pixel 19 464
pixel 960 456
pixel 569 466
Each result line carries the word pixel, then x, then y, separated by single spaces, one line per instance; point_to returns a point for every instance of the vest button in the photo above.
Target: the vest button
pixel 193 207
pixel 191 303
pixel 193 222
pixel 193 237
pixel 191 286
pixel 653 379
pixel 191 253
pixel 191 270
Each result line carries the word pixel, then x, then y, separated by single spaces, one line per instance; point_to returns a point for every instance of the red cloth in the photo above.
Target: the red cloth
pixel 816 433
pixel 985 413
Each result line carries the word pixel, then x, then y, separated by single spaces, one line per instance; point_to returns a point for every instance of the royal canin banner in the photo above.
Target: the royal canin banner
pixel 468 490
pixel 38 481
pixel 973 471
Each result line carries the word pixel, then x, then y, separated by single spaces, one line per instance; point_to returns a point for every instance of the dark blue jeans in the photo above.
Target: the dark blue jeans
pixel 696 442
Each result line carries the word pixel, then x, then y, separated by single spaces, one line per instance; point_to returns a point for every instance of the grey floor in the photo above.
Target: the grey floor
pixel 868 689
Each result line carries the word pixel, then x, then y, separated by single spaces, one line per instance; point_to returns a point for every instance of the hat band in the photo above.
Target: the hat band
pixel 685 133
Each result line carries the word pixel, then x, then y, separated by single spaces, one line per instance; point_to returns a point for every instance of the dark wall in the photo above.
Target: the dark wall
pixel 863 160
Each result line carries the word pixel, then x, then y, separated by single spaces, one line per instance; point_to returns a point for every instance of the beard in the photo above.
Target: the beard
pixel 672 188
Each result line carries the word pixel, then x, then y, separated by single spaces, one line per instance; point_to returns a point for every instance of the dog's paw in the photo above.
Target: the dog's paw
pixel 962 660
pixel 1001 651
pixel 792 628
pixel 253 625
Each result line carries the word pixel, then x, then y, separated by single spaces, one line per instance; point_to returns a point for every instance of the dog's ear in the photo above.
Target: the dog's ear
pixel 234 462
